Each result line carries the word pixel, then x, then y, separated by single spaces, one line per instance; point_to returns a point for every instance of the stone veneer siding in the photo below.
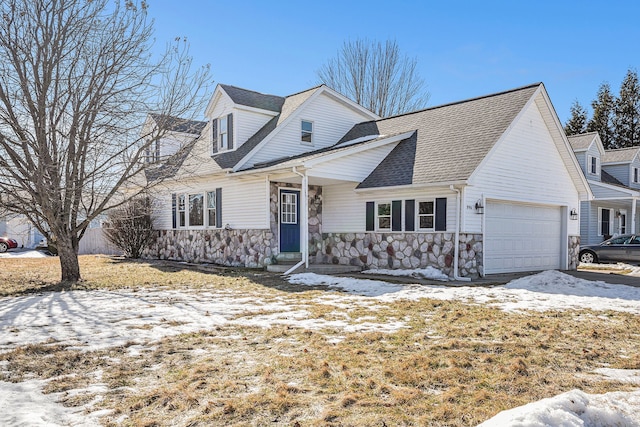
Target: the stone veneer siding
pixel 246 248
pixel 403 250
pixel 574 252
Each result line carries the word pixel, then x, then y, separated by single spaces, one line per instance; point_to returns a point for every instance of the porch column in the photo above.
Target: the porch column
pixel 634 201
pixel 304 226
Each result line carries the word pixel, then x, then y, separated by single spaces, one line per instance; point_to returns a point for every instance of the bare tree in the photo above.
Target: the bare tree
pixel 76 83
pixel 376 76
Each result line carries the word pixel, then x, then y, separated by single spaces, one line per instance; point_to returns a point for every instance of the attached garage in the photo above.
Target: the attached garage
pixel 522 237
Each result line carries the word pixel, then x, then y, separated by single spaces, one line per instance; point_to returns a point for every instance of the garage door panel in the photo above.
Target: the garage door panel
pixel 521 237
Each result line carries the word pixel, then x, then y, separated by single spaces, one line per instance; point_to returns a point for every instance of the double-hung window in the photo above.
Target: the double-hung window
pixel 426 215
pixel 384 216
pixel 211 208
pixel 182 211
pixel 223 137
pixel 306 129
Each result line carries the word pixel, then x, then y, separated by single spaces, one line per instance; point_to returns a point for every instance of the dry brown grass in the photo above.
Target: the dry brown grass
pixel 456 365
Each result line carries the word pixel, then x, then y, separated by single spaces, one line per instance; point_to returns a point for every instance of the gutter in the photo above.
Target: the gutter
pixel 456 247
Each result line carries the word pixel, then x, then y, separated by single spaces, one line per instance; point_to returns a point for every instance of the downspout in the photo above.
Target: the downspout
pixel 304 227
pixel 456 246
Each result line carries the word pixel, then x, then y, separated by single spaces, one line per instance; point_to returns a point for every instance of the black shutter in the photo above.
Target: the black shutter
pixel 219 207
pixel 409 215
pixel 214 136
pixel 371 216
pixel 441 214
pixel 173 210
pixel 230 131
pixel 396 215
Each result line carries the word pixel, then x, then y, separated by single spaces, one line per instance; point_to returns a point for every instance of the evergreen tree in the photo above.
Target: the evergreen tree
pixel 603 114
pixel 577 124
pixel 627 112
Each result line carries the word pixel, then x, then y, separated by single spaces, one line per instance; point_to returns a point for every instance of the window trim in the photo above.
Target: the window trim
pixel 635 175
pixel 432 215
pixel 378 216
pixel 303 132
pixel 185 209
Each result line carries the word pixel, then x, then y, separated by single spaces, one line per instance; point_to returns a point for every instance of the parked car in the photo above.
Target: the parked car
pixel 7 243
pixel 625 248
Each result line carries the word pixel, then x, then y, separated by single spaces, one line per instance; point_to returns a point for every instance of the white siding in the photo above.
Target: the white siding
pixel 525 166
pixel 352 168
pixel 344 210
pixel 331 120
pixel 246 124
pixel 244 202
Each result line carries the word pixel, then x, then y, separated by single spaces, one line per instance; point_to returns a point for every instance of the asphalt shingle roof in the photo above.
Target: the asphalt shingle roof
pixel 177 124
pixel 582 141
pixel 620 155
pixel 254 99
pixel 450 142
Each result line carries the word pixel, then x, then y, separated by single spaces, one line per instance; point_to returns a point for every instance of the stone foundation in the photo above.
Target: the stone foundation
pixel 574 252
pixel 403 250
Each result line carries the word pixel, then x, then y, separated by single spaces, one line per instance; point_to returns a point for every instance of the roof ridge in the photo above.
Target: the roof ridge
pixel 306 90
pixel 223 85
pixel 463 101
pixel 635 147
pixel 583 134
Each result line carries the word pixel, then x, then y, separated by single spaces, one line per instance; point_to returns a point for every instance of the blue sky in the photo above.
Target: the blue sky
pixel 464 49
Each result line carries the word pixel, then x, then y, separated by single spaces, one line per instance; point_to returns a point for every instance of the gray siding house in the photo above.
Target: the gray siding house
pixel 614 179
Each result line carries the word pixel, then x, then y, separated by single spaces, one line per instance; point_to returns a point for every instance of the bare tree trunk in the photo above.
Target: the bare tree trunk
pixel 68 259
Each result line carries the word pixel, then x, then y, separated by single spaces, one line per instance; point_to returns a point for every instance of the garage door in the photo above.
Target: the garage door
pixel 522 237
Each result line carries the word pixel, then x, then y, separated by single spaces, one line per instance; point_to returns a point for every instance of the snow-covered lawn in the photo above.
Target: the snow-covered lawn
pixel 91 320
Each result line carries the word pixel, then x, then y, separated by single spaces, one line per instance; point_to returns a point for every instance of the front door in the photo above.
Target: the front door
pixel 289 220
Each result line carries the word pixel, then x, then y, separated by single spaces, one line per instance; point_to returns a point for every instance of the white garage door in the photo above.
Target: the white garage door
pixel 522 237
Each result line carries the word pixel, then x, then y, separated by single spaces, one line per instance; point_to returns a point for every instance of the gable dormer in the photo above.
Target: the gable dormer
pixel 589 151
pixel 624 165
pixel 165 135
pixel 235 114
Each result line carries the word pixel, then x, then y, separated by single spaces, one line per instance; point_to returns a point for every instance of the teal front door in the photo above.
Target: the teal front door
pixel 289 220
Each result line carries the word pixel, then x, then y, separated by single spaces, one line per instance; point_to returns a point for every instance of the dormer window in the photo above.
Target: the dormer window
pixel 594 165
pixel 222 133
pixel 223 137
pixel 636 175
pixel 152 152
pixel 307 132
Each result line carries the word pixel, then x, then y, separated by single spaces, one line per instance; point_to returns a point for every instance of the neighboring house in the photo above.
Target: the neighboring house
pixel 614 178
pixel 475 187
pixel 18 227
